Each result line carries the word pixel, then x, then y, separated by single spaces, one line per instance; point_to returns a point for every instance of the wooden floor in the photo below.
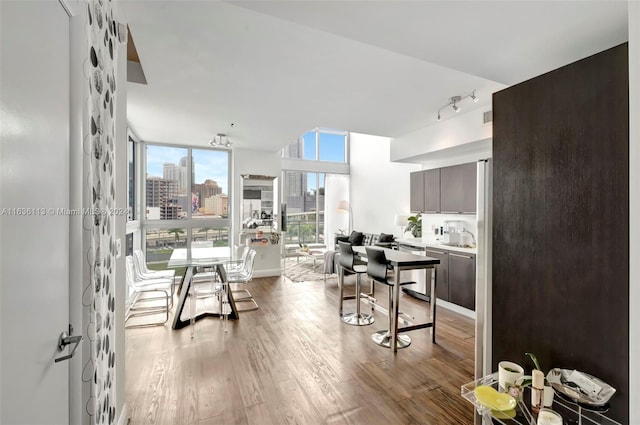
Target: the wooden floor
pixel 293 361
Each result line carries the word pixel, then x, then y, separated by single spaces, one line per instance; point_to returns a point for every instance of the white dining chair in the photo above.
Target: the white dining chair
pixel 209 288
pixel 243 274
pixel 145 272
pixel 147 297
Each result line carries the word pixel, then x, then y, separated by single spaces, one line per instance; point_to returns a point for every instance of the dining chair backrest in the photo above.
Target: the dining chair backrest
pixel 248 264
pixel 246 271
pixel 128 265
pixel 245 253
pixel 377 265
pixel 138 257
pixel 131 272
pixel 346 255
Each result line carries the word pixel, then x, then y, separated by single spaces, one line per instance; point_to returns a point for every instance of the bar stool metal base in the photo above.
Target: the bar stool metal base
pixel 383 338
pixel 356 319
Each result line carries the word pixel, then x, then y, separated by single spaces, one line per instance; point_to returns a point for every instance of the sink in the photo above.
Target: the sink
pixel 457 245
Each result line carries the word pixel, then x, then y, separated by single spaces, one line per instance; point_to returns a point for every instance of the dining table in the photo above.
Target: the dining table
pixel 401 261
pixel 194 260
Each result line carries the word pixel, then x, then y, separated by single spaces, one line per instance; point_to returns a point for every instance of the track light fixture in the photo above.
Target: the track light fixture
pixel 455 100
pixel 220 140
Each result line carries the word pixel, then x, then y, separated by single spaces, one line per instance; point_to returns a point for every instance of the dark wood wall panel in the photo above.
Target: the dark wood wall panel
pixel 561 221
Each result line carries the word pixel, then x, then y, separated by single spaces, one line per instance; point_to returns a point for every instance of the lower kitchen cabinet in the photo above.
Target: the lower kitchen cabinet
pixel 456 277
pixel 462 280
pixel 442 275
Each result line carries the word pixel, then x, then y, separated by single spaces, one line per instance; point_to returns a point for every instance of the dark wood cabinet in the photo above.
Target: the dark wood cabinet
pixel 416 184
pixel 458 189
pixel 456 277
pixel 432 191
pixel 442 275
pixel 450 190
pixel 462 280
pixel 446 190
pixel 469 187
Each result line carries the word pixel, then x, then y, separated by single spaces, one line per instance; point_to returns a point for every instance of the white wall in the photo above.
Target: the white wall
pixel 379 187
pixel 121 200
pixel 249 161
pixel 634 211
pixel 458 136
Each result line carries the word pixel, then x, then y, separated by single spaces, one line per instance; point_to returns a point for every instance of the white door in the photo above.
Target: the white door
pixel 34 183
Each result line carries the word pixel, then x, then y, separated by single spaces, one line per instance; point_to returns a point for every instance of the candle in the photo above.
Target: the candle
pixel 549 417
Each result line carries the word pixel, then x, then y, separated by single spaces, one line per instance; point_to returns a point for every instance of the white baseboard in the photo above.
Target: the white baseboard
pixel 267 273
pixel 456 308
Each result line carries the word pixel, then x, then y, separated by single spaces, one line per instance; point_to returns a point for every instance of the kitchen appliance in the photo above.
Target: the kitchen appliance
pixel 452 232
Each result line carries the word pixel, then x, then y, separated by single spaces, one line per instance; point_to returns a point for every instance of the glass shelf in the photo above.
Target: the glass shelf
pixel 570 412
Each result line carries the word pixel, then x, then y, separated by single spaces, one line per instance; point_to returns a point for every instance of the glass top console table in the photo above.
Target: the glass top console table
pixel 571 413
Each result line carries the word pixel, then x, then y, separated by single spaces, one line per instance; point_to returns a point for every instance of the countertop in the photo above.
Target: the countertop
pixel 433 243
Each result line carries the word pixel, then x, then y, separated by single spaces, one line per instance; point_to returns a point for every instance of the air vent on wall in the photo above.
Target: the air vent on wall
pixel 487 117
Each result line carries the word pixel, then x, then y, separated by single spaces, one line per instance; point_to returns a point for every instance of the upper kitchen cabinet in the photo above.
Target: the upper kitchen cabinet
pixel 458 189
pixel 432 191
pixel 425 191
pixel 416 203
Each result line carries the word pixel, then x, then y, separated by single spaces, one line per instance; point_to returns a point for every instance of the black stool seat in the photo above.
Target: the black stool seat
pixel 348 264
pixel 378 270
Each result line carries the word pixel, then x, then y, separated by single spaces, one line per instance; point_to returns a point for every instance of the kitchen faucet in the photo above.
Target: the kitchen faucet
pixel 473 238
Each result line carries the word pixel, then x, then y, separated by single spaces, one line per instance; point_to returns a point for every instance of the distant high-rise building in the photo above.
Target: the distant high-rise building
pixel 217 205
pixel 295 183
pixel 207 189
pixel 160 191
pixel 178 173
pixel 294 149
pixel 163 194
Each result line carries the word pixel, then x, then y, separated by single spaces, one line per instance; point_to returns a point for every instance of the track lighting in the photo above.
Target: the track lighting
pixel 455 100
pixel 220 140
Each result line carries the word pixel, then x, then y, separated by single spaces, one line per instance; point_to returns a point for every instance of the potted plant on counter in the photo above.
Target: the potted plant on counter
pixel 526 381
pixel 415 225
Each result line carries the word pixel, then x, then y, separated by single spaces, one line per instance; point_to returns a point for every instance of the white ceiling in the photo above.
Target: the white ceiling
pixel 276 69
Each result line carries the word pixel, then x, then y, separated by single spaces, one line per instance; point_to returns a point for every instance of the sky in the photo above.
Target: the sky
pixel 208 164
pixel 214 164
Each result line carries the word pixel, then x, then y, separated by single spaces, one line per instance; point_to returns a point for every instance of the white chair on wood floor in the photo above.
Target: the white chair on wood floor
pixel 143 302
pixel 243 274
pixel 153 278
pixel 210 287
pixel 145 272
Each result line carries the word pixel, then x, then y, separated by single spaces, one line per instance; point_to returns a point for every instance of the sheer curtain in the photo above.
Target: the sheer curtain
pixel 336 190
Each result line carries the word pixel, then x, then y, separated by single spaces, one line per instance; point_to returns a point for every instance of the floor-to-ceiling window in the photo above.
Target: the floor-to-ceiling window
pixel 186 201
pixel 305 206
pixel 306 163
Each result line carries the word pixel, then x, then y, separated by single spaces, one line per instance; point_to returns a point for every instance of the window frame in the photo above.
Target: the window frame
pixel 188 223
pixel 318 131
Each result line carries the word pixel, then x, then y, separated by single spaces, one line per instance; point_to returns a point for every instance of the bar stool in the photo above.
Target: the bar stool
pixel 347 263
pixel 377 269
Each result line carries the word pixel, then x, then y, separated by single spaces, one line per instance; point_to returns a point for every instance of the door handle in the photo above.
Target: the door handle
pixel 65 339
pixel 436 252
pixel 461 256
